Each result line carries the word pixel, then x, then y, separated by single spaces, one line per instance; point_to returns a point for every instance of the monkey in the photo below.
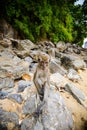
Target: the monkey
pixel 41 76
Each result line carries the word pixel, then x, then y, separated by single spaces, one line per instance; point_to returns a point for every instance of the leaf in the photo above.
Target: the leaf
pixel 26 77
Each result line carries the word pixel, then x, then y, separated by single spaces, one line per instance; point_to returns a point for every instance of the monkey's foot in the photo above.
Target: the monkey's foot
pixel 38 111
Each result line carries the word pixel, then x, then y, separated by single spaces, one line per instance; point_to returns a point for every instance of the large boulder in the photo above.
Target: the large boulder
pixel 52 115
pixel 55 66
pixel 74 61
pixel 12 66
pixel 77 94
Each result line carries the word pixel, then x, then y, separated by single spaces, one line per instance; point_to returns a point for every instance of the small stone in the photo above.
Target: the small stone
pixel 22 84
pixel 16 97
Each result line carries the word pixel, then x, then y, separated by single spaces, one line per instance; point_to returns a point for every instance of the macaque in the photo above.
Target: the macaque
pixel 41 76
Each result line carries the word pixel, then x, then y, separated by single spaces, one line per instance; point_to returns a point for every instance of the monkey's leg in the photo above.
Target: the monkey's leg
pixel 36 101
pixel 46 91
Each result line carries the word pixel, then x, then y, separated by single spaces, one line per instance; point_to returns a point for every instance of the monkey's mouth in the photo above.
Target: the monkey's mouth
pixel 43 68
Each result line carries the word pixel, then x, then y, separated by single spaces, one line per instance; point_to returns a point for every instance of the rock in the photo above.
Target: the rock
pixel 5 42
pixel 16 97
pixel 79 64
pixel 28 124
pixel 51 52
pixel 73 75
pixel 28 59
pixel 22 47
pixel 30 106
pixel 38 126
pixel 7 118
pixel 69 61
pixel 56 67
pixel 77 94
pixel 12 66
pixel 61 46
pixel 22 84
pixel 6 83
pixel 66 61
pixel 32 67
pixel 7 30
pixel 3 95
pixel 46 44
pixel 57 80
pixel 55 115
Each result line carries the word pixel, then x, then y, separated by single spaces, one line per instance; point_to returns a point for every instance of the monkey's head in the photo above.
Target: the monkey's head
pixel 43 60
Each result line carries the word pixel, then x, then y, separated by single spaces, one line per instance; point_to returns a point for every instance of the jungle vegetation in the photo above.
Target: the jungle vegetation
pixel 54 20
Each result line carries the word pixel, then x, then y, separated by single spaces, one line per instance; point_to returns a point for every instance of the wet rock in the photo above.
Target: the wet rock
pixel 22 84
pixel 16 97
pixel 77 94
pixel 30 106
pixel 73 75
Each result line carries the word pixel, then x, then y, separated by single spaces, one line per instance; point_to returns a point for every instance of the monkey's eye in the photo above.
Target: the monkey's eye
pixel 46 62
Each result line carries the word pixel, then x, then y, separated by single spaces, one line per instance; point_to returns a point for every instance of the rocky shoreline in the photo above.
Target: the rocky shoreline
pixel 18 60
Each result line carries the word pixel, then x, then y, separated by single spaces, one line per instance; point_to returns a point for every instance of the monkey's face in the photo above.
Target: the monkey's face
pixel 44 61
pixel 44 65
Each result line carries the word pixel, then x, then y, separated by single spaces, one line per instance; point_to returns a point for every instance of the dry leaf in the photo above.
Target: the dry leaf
pixel 26 77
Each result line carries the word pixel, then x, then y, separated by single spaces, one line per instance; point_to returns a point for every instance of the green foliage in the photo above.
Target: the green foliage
pixel 79 14
pixel 45 19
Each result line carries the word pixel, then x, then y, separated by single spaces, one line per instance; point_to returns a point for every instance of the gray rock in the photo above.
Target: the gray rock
pixel 3 95
pixel 6 117
pixel 5 42
pixel 55 66
pixel 66 61
pixel 57 80
pixel 30 106
pixel 22 84
pixel 61 46
pixel 22 47
pixel 77 94
pixel 51 52
pixel 79 64
pixel 16 97
pixel 55 115
pixel 38 126
pixel 69 61
pixel 12 66
pixel 28 124
pixel 28 59
pixel 73 75
pixel 6 83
